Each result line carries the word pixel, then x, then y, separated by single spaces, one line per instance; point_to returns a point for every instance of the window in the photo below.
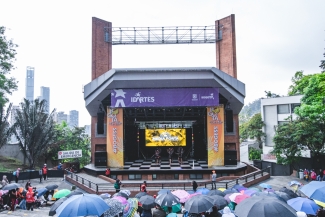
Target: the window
pixel 113 176
pixel 283 109
pixel 196 176
pixel 154 176
pixel 176 176
pixel 135 176
pixel 293 106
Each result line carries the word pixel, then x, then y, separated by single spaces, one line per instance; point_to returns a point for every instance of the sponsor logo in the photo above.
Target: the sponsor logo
pixel 165 136
pixel 194 97
pixel 208 97
pixel 139 99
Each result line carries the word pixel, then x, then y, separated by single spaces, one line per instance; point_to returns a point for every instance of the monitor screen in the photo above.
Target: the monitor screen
pixel 165 137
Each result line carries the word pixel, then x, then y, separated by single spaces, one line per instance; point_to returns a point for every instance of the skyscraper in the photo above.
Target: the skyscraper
pixel 73 118
pixel 29 93
pixel 45 95
pixel 60 117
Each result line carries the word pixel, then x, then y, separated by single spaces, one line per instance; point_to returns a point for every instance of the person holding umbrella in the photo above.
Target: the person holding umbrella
pixel 12 199
pixel 158 212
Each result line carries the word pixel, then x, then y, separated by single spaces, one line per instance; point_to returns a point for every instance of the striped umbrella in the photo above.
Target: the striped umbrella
pixel 130 208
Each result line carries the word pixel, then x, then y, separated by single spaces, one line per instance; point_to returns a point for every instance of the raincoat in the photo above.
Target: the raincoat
pixel 227 212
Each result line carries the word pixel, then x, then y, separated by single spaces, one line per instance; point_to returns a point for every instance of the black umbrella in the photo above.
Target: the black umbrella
pixel 56 205
pixel 230 191
pixel 269 194
pixel 289 192
pixel 122 194
pixel 76 192
pixel 264 206
pixel 147 202
pixel 283 195
pixel 216 192
pixel 199 203
pixel 219 201
pixel 167 199
pixel 11 186
pixel 51 187
pixel 140 194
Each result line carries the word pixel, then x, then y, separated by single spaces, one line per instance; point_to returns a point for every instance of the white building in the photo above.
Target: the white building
pixel 276 111
pixel 73 118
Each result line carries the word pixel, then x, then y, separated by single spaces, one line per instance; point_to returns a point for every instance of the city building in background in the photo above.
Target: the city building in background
pixel 29 93
pixel 73 118
pixel 45 95
pixel 87 130
pixel 60 117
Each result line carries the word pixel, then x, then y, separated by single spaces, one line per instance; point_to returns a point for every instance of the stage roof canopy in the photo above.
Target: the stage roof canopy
pixel 97 92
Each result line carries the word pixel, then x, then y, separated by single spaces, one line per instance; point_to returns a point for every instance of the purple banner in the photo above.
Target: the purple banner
pixel 164 97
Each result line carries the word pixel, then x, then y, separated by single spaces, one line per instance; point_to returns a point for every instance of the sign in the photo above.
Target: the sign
pixel 164 97
pixel 69 154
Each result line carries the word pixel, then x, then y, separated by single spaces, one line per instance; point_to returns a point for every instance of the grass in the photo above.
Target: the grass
pixel 8 164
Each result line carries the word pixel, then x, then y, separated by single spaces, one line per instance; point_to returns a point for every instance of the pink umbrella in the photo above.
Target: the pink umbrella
pixel 180 194
pixel 187 198
pixel 233 196
pixel 121 199
pixel 240 198
pixel 227 197
pixel 2 192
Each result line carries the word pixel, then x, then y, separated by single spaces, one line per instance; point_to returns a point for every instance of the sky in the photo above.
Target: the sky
pixel 274 39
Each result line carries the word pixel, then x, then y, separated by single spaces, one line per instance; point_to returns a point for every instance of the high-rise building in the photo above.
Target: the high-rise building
pixel 29 93
pixel 73 118
pixel 87 130
pixel 45 95
pixel 60 117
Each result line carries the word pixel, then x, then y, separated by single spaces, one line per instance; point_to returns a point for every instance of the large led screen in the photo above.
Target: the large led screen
pixel 168 137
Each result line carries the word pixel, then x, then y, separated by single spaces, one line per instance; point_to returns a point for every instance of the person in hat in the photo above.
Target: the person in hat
pixel 214 179
pixel 44 172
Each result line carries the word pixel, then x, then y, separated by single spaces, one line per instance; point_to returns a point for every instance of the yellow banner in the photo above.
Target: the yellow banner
pixel 115 155
pixel 215 134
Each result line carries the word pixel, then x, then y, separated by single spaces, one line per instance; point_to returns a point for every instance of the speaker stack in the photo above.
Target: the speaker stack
pixel 100 159
pixel 230 157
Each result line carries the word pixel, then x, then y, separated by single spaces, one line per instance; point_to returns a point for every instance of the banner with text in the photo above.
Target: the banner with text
pixel 115 137
pixel 164 97
pixel 69 154
pixel 215 134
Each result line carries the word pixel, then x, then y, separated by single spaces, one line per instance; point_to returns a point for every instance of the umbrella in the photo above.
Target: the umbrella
pixel 130 208
pixel 283 195
pixel 121 199
pixel 250 192
pixel 264 185
pixel 203 191
pixel 11 186
pixel 105 196
pixel 319 203
pixel 219 201
pixel 240 198
pixel 82 205
pixel 147 202
pixel 2 192
pixel 175 208
pixel 183 200
pixel 227 197
pixel 56 205
pixel 140 194
pixel 289 192
pixel 222 189
pixel 294 182
pixel 51 187
pixel 122 194
pixel 61 193
pixel 256 189
pixel 232 211
pixel 216 192
pixel 167 199
pixel 304 204
pixel 264 206
pixel 230 191
pixel 233 196
pixel 269 194
pixel 314 190
pixel 125 191
pixel 237 186
pixel 180 194
pixel 162 191
pixel 199 203
pixel 41 191
pixel 74 193
pixel 115 207
pixel 268 190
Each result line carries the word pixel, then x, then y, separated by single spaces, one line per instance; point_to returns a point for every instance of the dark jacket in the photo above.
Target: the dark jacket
pixel 158 213
pixel 146 213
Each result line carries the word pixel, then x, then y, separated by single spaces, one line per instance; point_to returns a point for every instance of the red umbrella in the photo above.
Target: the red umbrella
pixel 240 198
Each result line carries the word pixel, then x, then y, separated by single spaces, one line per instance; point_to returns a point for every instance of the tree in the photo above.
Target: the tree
pixel 5 130
pixel 322 65
pixel 253 129
pixel 34 129
pixel 7 58
pixel 269 94
pixel 249 110
pixel 71 139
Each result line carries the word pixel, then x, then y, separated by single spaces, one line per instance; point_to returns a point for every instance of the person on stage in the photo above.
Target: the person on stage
pixel 157 155
pixel 170 152
pixel 180 155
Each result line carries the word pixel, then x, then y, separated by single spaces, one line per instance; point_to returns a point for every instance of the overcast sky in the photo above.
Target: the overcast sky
pixel 274 38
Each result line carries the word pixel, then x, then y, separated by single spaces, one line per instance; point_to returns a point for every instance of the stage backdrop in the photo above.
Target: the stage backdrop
pixel 165 137
pixel 115 153
pixel 215 134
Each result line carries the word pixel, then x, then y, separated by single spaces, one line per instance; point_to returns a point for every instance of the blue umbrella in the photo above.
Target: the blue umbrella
pixel 304 204
pixel 230 191
pixel 202 191
pixel 82 205
pixel 314 190
pixel 264 185
pixel 163 191
pixel 41 191
pixel 294 182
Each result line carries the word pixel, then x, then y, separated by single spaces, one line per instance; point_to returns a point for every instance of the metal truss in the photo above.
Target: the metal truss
pixel 163 35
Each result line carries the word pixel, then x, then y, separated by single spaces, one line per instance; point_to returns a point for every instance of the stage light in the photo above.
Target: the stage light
pixel 165 127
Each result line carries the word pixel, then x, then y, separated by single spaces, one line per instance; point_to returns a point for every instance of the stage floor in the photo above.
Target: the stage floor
pixel 164 165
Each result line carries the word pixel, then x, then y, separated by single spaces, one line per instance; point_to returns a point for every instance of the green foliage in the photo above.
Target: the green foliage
pixel 269 94
pixel 71 139
pixel 7 58
pixel 254 154
pixel 322 65
pixel 249 110
pixel 253 129
pixel 5 130
pixel 34 129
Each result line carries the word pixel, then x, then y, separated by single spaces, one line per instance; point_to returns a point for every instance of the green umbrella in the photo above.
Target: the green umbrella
pixel 61 193
pixel 175 208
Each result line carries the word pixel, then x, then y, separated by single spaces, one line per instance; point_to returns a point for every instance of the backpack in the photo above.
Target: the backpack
pixel 14 173
pixel 116 185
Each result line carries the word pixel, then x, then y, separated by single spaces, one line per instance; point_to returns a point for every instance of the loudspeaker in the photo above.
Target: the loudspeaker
pixel 230 157
pixel 100 123
pixel 100 159
pixel 229 121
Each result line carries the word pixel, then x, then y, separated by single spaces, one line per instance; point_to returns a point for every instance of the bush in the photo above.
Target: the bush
pixel 255 154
